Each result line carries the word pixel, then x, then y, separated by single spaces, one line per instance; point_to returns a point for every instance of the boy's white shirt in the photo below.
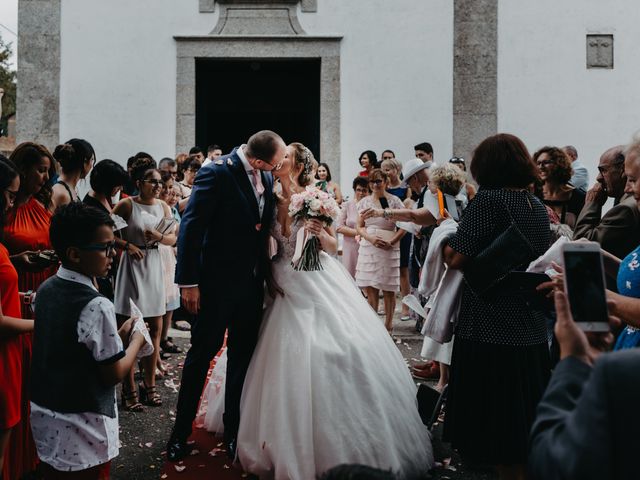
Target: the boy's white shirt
pixel 78 441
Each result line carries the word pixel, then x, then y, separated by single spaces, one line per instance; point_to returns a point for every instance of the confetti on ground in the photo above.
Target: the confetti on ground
pixel 194 452
pixel 148 444
pixel 179 468
pixel 164 475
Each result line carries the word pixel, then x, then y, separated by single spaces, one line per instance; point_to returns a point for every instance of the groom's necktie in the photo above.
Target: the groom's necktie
pixel 257 181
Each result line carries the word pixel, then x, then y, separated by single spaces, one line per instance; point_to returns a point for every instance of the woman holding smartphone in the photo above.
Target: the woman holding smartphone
pixel 26 236
pixel 378 266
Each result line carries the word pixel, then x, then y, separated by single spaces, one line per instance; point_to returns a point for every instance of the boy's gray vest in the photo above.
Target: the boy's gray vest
pixel 65 377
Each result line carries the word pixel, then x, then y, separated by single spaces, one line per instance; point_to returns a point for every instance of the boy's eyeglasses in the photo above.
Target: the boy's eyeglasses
pixel 108 247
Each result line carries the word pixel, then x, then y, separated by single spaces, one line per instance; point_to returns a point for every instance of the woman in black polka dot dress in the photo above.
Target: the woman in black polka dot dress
pixel 500 365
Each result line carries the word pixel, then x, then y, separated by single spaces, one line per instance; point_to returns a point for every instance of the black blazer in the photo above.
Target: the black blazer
pixel 223 239
pixel 588 422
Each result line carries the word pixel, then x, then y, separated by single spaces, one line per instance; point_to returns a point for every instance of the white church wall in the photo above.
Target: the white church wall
pixel 118 72
pixel 396 75
pixel 118 78
pixel 546 95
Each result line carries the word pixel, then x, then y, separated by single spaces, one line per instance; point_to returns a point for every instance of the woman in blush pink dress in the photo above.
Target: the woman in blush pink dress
pixel 378 266
pixel 347 223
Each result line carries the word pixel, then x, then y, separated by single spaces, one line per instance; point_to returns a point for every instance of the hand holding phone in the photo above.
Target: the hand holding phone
pixel 585 286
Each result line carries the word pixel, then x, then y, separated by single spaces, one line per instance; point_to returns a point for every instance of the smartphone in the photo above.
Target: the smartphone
pixel 585 286
pixel 384 203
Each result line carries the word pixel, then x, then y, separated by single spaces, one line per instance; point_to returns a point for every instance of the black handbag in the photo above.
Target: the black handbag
pixel 507 252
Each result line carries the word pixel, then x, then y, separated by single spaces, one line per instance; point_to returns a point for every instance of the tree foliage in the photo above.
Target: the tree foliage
pixel 8 83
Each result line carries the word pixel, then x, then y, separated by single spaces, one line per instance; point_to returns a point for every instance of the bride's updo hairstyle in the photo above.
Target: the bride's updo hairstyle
pixel 305 159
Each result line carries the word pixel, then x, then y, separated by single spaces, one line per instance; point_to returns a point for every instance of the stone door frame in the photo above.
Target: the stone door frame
pixel 261 47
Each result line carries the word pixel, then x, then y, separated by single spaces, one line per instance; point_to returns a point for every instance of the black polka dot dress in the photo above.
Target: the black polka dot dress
pixel 500 364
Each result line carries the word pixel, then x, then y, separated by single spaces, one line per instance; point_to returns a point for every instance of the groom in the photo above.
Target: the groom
pixel 222 267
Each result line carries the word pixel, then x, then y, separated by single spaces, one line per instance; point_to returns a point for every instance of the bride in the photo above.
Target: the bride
pixel 326 384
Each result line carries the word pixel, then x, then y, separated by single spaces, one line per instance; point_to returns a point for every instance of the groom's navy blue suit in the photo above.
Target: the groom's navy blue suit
pixel 222 248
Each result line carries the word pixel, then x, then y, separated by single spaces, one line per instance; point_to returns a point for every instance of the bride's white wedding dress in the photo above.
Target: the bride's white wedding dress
pixel 326 384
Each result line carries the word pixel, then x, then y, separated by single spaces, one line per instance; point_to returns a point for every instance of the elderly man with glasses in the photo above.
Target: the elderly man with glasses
pixel 618 230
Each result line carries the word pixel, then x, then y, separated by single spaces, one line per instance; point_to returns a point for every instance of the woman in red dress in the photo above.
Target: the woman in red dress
pixel 11 325
pixel 26 234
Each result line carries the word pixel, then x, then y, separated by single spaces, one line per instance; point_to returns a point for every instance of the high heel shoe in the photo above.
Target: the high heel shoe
pixel 130 401
pixel 149 395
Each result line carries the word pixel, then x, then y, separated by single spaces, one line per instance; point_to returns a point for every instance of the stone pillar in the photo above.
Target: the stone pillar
pixel 475 74
pixel 38 96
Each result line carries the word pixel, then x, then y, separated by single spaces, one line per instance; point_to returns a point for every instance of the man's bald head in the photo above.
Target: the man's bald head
pixel 611 171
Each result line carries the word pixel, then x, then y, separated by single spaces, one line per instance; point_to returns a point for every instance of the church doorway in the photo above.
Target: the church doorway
pixel 236 98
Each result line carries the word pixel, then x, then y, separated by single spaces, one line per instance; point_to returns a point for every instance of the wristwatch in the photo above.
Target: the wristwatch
pixel 27 297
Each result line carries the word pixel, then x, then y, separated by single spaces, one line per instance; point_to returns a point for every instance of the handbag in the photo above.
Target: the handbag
pixel 507 252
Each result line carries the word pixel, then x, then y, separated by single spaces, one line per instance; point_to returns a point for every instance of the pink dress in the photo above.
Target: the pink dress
pixel 349 218
pixel 376 267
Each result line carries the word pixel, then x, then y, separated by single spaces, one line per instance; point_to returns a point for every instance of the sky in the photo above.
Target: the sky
pixel 9 24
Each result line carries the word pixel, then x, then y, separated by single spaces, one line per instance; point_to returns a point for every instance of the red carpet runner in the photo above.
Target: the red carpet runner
pixel 210 461
pixel 203 464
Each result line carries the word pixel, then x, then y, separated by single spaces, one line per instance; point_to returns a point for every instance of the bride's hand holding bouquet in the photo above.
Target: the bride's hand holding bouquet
pixel 318 210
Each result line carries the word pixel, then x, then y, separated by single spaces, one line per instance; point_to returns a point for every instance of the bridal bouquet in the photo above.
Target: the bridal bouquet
pixel 312 203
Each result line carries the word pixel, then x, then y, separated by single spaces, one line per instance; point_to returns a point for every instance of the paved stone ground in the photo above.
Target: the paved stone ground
pixel 144 435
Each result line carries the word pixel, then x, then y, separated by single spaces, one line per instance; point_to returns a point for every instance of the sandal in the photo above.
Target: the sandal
pixel 130 401
pixel 167 346
pixel 149 395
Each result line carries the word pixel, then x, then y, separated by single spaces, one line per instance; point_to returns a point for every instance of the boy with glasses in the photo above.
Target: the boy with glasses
pixel 78 352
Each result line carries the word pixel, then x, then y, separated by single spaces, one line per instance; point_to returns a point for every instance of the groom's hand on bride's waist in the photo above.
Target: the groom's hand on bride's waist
pixel 191 299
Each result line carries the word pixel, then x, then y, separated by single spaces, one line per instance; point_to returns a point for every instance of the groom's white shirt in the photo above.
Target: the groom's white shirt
pixel 260 198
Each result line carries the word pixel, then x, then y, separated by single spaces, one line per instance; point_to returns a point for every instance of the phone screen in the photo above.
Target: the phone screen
pixel 585 286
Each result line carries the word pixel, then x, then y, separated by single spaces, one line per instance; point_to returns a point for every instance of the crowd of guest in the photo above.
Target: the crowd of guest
pixel 132 267
pixel 118 243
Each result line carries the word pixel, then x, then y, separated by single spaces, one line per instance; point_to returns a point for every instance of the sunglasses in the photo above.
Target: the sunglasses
pixel 376 182
pixel 456 160
pixel 155 183
pixel 108 247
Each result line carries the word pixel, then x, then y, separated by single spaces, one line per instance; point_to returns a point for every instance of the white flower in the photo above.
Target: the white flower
pixel 315 205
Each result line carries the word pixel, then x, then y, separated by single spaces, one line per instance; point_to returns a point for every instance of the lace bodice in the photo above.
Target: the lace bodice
pixel 286 246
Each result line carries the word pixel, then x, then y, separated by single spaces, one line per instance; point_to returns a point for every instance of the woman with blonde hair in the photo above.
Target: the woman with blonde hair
pixel 393 168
